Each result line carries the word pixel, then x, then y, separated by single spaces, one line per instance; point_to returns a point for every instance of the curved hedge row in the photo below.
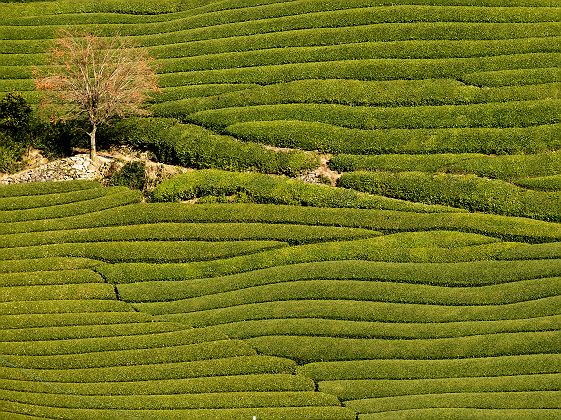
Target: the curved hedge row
pixel 292 234
pixel 115 197
pixel 514 114
pixel 469 192
pixel 484 400
pixel 506 167
pixel 529 364
pixel 195 147
pixel 366 69
pixel 367 311
pixel 366 388
pixel 351 92
pixel 275 190
pixel 280 16
pixel 149 251
pixel 365 329
pixel 510 228
pixel 333 139
pixel 314 349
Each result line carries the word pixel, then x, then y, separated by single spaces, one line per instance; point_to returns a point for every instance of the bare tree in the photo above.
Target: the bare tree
pixel 98 78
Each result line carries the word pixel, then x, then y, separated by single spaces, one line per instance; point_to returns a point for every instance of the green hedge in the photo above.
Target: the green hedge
pixel 58 292
pixel 192 146
pixel 220 400
pixel 276 16
pixel 514 114
pixel 372 251
pixel 505 167
pixel 115 197
pixel 518 229
pixel 356 51
pixel 251 35
pixel 127 327
pixel 314 349
pixel 485 400
pixel 149 251
pixel 464 414
pixel 114 358
pixel 237 383
pixel 275 190
pixel 356 291
pixel 238 365
pixel 66 320
pixel 443 274
pixel 45 308
pixel 45 200
pixel 530 364
pixel 45 264
pixel 352 92
pixel 333 139
pixel 465 191
pixel 147 340
pixel 367 311
pixel 292 234
pixel 370 388
pixel 514 77
pixel 363 329
pixel 366 69
pixel 37 278
pixel 309 413
pixel 543 183
pixel 40 188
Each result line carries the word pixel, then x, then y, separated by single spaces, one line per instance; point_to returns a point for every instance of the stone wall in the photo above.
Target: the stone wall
pixel 75 167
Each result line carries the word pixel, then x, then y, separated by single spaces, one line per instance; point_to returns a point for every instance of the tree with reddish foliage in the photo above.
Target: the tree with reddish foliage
pixel 96 78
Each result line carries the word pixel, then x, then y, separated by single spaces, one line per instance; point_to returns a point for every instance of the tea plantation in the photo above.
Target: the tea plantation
pixel 425 285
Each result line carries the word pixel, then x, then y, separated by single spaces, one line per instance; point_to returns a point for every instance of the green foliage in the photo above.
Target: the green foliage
pixel 269 189
pixel 195 147
pixel 348 92
pixel 542 183
pixel 365 329
pixel 148 251
pixel 113 197
pixel 292 234
pixel 365 311
pixel 466 191
pixel 332 139
pixel 493 115
pixel 366 388
pixel 132 175
pixel 34 189
pixel 15 117
pixel 314 349
pixel 23 202
pixel 506 167
pixel 430 369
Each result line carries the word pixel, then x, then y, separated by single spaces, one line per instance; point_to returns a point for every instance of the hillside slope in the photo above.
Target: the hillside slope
pixel 427 285
pixel 235 310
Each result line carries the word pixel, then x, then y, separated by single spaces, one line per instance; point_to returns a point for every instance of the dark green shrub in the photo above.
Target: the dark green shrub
pixel 132 175
pixel 15 117
pixel 10 154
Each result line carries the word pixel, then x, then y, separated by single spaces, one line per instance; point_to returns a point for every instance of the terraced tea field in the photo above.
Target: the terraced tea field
pixel 427 284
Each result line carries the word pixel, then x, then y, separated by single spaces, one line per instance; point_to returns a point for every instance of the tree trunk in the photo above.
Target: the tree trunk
pixel 92 142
